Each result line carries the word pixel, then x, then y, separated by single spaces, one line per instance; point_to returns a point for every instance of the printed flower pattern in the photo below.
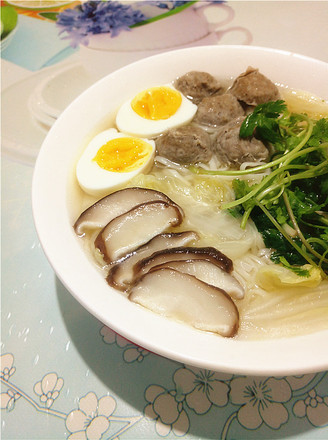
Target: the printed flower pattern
pixel 299 382
pixel 314 407
pixel 90 420
pixel 166 408
pixel 8 399
pixel 135 354
pixel 92 17
pixel 111 17
pixel 7 366
pixel 110 337
pixel 202 388
pixel 132 353
pixel 169 4
pixel 261 401
pixel 48 388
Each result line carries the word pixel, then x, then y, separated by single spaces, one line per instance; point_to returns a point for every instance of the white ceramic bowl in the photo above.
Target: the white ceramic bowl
pixel 54 213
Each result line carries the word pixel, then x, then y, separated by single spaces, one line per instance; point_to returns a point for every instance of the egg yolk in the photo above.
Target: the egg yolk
pixel 157 103
pixel 123 154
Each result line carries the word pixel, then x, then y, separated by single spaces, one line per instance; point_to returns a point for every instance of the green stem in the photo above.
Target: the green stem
pixel 289 239
pixel 311 225
pixel 287 157
pixel 245 218
pixel 297 229
pixel 311 172
pixel 257 188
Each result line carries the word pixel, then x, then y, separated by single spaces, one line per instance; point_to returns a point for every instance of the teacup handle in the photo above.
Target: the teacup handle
pixel 213 26
pixel 245 34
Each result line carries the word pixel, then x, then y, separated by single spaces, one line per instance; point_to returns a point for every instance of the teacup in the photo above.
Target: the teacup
pixel 179 29
pixel 191 26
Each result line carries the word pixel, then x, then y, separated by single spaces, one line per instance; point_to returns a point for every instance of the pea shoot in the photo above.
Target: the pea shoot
pixel 289 205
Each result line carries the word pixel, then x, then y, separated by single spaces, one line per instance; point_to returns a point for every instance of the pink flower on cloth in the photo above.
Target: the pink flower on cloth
pixel 132 353
pixel 8 399
pixel 314 407
pixel 261 401
pixel 7 368
pixel 48 388
pixel 202 388
pixel 91 420
pixel 166 408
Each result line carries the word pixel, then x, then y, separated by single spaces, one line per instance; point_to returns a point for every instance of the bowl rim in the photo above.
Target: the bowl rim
pixel 283 356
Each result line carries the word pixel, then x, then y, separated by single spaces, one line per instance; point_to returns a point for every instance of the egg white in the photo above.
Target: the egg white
pixel 97 181
pixel 130 122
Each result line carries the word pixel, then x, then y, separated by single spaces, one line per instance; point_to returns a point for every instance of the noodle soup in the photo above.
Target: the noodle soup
pixel 276 301
pixel 58 201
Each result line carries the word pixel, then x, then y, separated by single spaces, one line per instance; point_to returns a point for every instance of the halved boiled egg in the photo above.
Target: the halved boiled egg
pixel 111 159
pixel 154 111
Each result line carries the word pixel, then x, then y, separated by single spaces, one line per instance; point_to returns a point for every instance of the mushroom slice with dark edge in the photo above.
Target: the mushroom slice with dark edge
pixel 121 275
pixel 183 253
pixel 209 273
pixel 106 209
pixel 184 298
pixel 136 227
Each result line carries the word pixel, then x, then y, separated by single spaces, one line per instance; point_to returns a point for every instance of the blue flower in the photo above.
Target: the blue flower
pixel 168 4
pixel 94 17
pixel 107 16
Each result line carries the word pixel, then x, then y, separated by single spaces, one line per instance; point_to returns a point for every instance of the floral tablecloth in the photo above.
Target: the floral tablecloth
pixel 63 373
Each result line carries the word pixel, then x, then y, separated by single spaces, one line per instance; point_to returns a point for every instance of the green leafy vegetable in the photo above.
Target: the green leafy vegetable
pixel 264 121
pixel 290 204
pixel 298 270
pixel 319 134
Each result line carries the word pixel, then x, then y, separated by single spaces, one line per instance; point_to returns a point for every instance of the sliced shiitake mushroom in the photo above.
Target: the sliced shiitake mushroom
pixel 106 209
pixel 208 272
pixel 183 253
pixel 184 298
pixel 121 275
pixel 136 227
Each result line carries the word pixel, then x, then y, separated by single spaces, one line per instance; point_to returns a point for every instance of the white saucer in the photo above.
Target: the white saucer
pixel 32 105
pixel 59 89
pixel 38 113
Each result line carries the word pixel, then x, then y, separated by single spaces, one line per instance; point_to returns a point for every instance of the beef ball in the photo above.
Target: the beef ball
pixel 188 144
pixel 253 88
pixel 197 85
pixel 218 110
pixel 232 150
